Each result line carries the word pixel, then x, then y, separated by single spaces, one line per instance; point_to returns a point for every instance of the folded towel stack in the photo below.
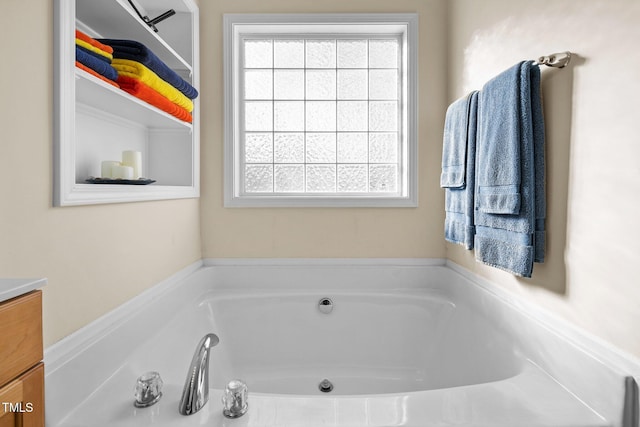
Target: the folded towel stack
pixel 147 94
pixel 142 74
pixel 509 195
pixel 95 58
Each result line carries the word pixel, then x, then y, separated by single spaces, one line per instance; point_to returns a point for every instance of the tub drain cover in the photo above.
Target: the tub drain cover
pixel 325 386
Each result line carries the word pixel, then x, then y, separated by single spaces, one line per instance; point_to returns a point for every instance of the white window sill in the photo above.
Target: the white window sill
pixel 280 201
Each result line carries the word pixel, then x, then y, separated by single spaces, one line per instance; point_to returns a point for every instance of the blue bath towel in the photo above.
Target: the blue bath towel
pixel 97 65
pixel 510 205
pixel 499 140
pixel 458 169
pixel 95 55
pixel 454 144
pixel 136 51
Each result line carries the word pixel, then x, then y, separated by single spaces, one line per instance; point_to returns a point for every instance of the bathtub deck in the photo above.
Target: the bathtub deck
pixel 530 399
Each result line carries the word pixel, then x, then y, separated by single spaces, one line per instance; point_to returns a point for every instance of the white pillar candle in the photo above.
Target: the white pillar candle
pixel 122 172
pixel 133 159
pixel 106 166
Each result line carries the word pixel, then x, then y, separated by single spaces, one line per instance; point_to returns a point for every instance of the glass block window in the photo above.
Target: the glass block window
pixel 320 116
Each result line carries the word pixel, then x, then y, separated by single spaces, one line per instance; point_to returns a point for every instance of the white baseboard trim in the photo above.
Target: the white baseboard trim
pixel 301 262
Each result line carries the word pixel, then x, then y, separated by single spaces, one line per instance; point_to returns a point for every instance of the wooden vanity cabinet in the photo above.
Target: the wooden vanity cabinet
pixel 21 367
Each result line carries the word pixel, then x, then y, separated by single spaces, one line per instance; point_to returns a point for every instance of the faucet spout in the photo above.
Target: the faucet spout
pixel 196 387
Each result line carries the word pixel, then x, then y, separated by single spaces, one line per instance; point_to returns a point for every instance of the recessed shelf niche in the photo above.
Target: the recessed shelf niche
pixel 95 121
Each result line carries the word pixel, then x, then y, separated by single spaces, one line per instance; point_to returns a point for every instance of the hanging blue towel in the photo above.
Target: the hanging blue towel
pixel 499 138
pixel 458 169
pixel 136 51
pixel 510 203
pixel 454 146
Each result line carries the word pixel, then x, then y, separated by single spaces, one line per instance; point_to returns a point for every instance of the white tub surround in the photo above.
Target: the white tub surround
pixel 408 343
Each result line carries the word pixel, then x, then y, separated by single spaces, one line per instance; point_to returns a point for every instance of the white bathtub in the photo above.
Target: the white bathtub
pixel 405 345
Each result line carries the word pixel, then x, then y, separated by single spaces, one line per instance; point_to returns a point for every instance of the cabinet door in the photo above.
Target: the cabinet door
pixel 21 338
pixel 23 400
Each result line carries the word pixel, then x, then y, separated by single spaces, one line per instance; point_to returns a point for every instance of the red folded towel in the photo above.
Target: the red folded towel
pixel 93 73
pixel 93 42
pixel 144 92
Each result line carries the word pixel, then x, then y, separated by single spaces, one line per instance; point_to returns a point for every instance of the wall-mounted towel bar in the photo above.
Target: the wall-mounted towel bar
pixel 556 60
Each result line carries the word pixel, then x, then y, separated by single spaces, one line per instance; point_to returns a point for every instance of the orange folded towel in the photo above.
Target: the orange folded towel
pixel 140 90
pixel 93 42
pixel 93 73
pixel 137 70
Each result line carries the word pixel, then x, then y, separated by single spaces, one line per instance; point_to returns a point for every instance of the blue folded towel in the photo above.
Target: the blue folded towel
pixel 454 145
pixel 458 169
pixel 94 54
pixel 97 65
pixel 509 202
pixel 136 51
pixel 499 140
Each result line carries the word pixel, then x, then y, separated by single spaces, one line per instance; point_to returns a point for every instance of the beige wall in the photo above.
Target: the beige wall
pixel 95 257
pixel 288 232
pixel 593 149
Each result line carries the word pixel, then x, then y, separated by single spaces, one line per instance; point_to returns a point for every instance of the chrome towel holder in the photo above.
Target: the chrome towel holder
pixel 555 60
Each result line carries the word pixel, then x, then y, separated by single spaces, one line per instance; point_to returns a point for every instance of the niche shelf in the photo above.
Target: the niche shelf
pixel 95 121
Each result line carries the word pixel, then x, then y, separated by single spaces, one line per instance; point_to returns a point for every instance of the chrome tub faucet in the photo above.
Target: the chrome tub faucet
pixel 196 387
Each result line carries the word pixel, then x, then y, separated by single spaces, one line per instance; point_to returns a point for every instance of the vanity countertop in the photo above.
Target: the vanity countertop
pixel 11 288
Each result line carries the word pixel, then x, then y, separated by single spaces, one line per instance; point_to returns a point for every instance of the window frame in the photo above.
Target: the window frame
pixel 237 26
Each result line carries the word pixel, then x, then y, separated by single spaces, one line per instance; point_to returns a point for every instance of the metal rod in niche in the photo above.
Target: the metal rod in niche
pixel 555 60
pixel 152 22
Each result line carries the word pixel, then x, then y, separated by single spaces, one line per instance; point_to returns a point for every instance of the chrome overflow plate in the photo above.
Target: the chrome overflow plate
pixel 325 305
